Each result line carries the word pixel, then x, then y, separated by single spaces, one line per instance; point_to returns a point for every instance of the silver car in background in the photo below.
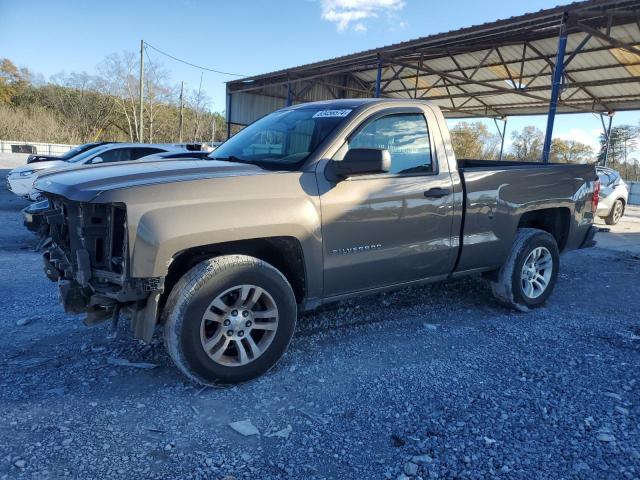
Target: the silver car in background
pixel 614 193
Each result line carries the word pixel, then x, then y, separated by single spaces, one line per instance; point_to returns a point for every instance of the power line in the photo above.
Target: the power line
pixel 153 68
pixel 193 64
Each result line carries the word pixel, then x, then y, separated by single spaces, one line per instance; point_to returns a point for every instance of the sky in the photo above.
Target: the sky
pixel 246 37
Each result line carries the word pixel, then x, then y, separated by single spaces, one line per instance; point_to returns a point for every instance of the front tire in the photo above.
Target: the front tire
pixel 229 319
pixel 616 213
pixel 529 274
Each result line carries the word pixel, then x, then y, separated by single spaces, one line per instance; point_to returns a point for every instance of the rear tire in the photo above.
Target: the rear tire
pixel 229 319
pixel 529 274
pixel 616 213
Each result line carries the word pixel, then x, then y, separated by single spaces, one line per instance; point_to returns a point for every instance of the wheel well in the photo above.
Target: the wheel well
pixel 284 253
pixel 553 220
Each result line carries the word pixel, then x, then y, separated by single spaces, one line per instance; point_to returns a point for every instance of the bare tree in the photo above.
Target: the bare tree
pixel 158 96
pixel 81 103
pixel 119 71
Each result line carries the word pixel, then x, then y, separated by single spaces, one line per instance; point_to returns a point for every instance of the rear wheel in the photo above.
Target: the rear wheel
pixel 616 213
pixel 229 319
pixel 529 274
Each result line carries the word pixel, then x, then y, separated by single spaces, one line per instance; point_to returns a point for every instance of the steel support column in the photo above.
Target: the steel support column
pixel 502 133
pixel 555 90
pixel 229 96
pixel 289 95
pixel 378 79
pixel 607 133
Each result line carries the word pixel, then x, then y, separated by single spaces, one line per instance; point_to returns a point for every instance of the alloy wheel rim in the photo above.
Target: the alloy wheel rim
pixel 239 325
pixel 617 212
pixel 536 272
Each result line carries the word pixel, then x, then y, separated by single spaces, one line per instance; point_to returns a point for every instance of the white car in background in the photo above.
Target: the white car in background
pixel 614 194
pixel 21 179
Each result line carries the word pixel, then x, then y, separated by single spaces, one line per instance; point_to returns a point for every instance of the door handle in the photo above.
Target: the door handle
pixel 436 192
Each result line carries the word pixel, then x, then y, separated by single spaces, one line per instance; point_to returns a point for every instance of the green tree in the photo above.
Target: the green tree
pixel 527 144
pixel 623 141
pixel 474 140
pixel 570 151
pixel 12 80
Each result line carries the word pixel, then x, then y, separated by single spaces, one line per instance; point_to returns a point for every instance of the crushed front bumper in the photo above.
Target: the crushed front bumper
pixel 88 257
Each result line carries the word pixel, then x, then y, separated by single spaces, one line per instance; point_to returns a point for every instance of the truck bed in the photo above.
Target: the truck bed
pixel 498 195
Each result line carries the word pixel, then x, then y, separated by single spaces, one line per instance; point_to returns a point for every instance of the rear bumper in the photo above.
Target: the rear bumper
pixel 588 239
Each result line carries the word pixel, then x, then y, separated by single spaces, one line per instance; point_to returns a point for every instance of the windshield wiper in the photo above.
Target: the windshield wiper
pixel 230 158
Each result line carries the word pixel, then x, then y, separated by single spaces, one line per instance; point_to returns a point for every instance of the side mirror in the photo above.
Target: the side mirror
pixel 361 161
pixel 96 160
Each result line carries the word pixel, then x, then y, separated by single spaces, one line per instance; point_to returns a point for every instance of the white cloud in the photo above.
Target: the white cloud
pixel 588 137
pixel 353 13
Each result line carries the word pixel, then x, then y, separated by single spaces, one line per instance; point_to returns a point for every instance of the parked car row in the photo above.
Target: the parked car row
pixel 21 179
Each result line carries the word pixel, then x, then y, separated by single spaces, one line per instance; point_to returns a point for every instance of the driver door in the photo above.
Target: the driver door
pixel 394 227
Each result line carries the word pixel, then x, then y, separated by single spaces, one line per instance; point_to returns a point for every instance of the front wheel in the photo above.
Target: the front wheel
pixel 229 319
pixel 529 274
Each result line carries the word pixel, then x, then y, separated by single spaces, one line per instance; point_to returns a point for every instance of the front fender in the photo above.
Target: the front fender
pixel 282 205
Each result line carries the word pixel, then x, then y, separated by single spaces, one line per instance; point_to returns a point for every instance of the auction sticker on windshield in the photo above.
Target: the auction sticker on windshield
pixel 332 113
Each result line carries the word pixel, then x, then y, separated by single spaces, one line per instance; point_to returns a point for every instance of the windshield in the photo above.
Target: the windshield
pixel 284 138
pixel 89 153
pixel 76 150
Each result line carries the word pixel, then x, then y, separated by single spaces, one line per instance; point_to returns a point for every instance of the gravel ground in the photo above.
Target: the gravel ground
pixel 430 382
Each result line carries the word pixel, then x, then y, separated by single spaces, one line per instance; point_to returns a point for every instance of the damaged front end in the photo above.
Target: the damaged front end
pixel 88 255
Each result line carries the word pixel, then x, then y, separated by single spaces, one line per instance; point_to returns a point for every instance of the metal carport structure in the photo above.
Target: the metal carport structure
pixel 495 70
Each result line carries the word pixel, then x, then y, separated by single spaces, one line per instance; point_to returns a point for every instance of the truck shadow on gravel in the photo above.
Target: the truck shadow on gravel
pixel 425 303
pixel 71 355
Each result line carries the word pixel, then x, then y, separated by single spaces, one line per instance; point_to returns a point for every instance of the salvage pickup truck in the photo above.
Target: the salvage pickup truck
pixel 310 204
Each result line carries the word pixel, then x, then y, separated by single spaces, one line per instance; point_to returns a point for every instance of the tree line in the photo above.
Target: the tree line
pixel 475 140
pixel 78 107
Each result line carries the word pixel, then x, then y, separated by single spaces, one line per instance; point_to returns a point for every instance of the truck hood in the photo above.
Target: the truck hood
pixel 85 183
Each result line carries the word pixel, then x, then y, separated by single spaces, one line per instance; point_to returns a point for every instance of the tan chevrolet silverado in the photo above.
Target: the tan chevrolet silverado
pixel 311 204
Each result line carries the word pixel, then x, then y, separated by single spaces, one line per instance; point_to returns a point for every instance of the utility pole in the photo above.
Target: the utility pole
pixel 213 128
pixel 181 112
pixel 141 131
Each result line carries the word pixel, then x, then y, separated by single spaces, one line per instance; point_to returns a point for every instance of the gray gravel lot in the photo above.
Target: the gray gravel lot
pixel 430 382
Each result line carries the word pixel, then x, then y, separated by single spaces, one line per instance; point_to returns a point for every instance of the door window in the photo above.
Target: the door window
pixel 143 152
pixel 115 155
pixel 405 135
